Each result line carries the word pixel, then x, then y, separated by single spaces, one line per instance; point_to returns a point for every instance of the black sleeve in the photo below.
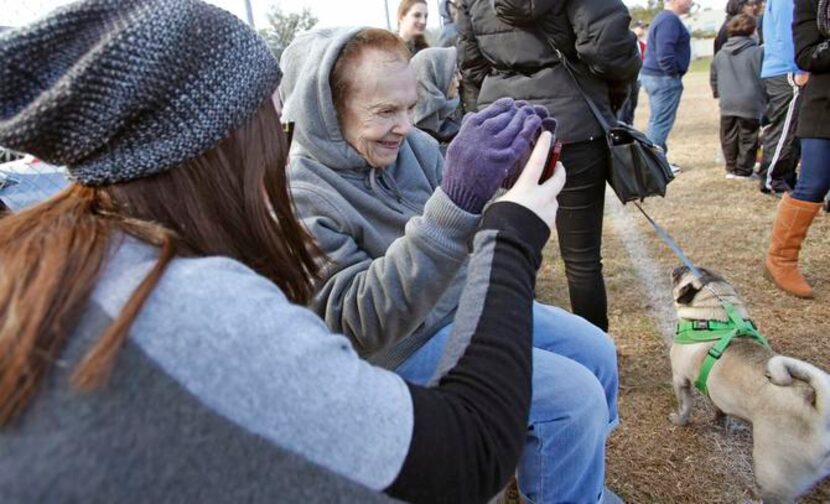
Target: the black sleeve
pixel 603 39
pixel 474 67
pixel 470 430
pixel 812 51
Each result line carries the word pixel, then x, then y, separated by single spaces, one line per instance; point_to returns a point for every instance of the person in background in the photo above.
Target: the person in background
pixel 733 8
pixel 796 211
pixel 506 48
pixel 395 218
pixel 438 78
pixel 449 32
pixel 152 343
pixel 412 24
pixel 735 77
pixel 666 62
pixel 782 79
pixel 626 113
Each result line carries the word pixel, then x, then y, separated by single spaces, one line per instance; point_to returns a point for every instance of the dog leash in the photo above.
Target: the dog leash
pixel 668 240
pixel 672 245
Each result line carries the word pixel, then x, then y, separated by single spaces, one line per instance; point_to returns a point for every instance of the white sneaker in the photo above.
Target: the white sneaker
pixel 731 176
pixel 674 168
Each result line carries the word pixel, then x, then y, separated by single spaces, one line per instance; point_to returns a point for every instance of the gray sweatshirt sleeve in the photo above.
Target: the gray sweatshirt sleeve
pixel 379 301
pixel 233 340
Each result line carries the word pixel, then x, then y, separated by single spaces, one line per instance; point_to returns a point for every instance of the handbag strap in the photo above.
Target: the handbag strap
pixel 567 64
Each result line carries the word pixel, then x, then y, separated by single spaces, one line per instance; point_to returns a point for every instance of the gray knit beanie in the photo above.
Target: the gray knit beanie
pixel 117 90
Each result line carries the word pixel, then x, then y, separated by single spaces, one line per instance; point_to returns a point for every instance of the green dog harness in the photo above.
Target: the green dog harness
pixel 700 331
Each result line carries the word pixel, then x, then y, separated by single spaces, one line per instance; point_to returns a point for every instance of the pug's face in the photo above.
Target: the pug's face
pixel 703 298
pixel 685 286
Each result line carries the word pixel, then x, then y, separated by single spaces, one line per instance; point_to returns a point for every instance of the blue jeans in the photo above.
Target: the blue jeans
pixel 663 99
pixel 814 180
pixel 573 407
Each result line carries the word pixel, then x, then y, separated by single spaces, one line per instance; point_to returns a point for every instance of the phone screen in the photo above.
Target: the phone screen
pixel 550 164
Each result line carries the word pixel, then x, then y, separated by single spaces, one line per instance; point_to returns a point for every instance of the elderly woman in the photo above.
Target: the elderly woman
pixel 395 221
pixel 153 346
pixel 437 111
pixel 412 24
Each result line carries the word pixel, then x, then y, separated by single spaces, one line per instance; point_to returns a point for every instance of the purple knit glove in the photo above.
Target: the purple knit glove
pixel 548 124
pixel 489 143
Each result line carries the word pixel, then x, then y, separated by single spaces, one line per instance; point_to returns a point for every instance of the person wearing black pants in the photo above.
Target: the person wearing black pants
pixel 735 80
pixel 524 43
pixel 781 149
pixel 739 140
pixel 579 226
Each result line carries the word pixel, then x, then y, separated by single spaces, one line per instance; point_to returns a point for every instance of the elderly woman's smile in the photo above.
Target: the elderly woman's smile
pixel 377 114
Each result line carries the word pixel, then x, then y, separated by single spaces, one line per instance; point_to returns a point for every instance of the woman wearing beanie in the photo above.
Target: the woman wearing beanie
pixel 395 219
pixel 152 346
pixel 437 111
pixel 797 210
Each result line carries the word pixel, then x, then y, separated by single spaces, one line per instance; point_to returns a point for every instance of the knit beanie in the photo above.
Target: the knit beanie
pixel 117 90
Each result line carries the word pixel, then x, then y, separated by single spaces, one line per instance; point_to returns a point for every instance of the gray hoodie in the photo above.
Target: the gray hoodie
pixel 396 243
pixel 736 78
pixel 436 114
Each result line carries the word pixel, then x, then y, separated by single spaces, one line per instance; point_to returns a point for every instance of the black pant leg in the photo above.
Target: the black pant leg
pixel 781 150
pixel 729 136
pixel 579 225
pixel 747 145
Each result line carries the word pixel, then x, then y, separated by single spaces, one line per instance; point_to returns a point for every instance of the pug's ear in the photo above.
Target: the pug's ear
pixel 687 293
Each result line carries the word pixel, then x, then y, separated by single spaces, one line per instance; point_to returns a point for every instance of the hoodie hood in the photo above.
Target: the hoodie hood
pixel 434 68
pixel 306 93
pixel 736 45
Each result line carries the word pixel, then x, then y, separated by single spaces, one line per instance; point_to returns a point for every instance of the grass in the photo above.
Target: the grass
pixel 700 65
pixel 723 225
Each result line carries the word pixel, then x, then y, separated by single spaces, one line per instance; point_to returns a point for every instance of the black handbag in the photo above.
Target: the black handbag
pixel 637 167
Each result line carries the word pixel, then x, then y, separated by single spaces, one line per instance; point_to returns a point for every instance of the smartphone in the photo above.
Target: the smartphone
pixel 553 158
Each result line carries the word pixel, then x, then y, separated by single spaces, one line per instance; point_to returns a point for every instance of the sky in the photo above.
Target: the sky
pixel 329 12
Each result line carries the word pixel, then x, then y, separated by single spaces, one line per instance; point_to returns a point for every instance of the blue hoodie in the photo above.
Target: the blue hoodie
pixel 779 52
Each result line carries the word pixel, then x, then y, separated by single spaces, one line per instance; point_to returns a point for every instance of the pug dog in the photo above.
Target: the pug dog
pixel 786 400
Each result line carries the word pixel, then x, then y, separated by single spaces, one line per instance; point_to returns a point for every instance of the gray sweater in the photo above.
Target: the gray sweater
pixel 397 245
pixel 256 403
pixel 735 77
pixel 226 392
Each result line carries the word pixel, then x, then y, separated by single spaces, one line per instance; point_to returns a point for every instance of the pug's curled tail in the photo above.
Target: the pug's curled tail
pixel 783 369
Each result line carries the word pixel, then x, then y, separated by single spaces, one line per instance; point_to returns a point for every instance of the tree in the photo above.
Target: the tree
pixel 646 14
pixel 282 28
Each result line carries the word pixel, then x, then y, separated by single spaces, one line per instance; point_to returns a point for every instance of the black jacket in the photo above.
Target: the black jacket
pixel 503 50
pixel 812 54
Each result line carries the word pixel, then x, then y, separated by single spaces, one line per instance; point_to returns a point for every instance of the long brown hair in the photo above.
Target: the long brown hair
pixel 231 201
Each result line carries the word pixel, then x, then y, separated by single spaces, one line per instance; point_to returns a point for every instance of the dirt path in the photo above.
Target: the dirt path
pixel 723 225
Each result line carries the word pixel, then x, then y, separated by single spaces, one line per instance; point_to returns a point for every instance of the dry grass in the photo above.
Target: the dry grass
pixel 723 225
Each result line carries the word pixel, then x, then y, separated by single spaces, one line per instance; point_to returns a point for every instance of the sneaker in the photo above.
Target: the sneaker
pixel 731 176
pixel 674 168
pixel 740 176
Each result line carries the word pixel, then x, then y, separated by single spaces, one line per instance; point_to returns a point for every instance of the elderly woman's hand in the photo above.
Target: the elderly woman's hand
pixel 485 150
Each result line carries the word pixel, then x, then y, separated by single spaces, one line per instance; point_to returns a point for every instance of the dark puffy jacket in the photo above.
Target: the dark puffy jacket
pixel 812 54
pixel 504 51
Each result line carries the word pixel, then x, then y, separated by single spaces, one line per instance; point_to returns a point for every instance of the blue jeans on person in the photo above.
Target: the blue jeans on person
pixel 663 99
pixel 573 406
pixel 814 180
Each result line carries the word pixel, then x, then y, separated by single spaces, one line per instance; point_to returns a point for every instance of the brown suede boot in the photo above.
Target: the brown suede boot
pixel 791 223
